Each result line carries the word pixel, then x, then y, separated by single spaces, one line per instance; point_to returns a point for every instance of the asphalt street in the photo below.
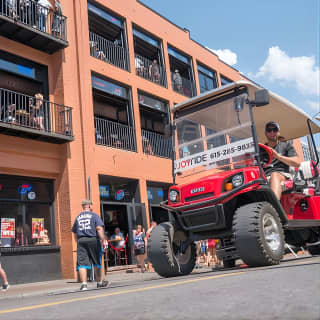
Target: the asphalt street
pixel 288 291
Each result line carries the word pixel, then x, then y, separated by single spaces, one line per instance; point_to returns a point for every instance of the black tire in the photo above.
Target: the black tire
pixel 250 225
pixel 163 252
pixel 314 250
pixel 230 263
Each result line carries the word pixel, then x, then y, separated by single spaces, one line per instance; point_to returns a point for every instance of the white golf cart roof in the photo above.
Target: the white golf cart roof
pixel 292 120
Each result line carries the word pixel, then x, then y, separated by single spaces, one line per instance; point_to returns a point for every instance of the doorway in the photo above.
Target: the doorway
pixel 124 216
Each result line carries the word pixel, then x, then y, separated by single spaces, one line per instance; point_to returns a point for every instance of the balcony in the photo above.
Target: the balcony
pixel 182 85
pixel 115 135
pixel 150 71
pixel 34 118
pixel 108 51
pixel 155 144
pixel 33 25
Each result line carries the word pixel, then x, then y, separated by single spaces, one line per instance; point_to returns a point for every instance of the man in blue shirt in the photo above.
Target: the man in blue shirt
pixel 88 231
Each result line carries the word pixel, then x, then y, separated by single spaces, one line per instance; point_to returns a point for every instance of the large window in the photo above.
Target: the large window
pixel 154 116
pixel 107 36
pixel 113 115
pixel 148 56
pixel 26 211
pixel 181 73
pixel 207 78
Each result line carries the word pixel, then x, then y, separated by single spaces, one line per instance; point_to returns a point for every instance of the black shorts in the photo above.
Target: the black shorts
pixel 138 251
pixel 89 252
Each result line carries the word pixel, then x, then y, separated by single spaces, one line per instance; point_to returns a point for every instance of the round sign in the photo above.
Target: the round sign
pixel 31 195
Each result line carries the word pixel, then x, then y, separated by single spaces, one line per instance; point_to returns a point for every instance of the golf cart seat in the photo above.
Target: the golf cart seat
pixel 304 177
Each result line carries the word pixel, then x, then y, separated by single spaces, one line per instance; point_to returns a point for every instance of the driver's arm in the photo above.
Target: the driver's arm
pixel 290 161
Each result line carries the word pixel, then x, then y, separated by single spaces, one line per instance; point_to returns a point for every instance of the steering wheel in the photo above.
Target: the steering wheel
pixel 266 155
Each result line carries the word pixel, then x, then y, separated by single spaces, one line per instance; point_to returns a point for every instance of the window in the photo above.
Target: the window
pixel 26 211
pixel 207 79
pixel 107 37
pixel 149 63
pixel 224 80
pixel 181 73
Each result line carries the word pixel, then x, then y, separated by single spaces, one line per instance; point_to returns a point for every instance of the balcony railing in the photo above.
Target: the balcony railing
pixel 34 116
pixel 30 13
pixel 183 86
pixel 155 73
pixel 155 144
pixel 108 51
pixel 115 135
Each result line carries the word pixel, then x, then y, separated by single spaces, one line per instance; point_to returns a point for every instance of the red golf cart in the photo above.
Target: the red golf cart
pixel 220 188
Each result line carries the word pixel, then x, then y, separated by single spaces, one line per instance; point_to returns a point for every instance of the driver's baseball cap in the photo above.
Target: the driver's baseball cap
pixel 86 202
pixel 274 124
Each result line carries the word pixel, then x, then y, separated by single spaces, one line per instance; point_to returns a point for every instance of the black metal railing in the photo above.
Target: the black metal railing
pixel 182 85
pixel 22 110
pixel 154 72
pixel 155 144
pixel 115 135
pixel 108 51
pixel 30 13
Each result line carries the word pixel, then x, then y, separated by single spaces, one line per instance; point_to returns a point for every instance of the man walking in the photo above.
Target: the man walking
pixel 88 231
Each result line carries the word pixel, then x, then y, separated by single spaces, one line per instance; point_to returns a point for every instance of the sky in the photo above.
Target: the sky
pixel 275 42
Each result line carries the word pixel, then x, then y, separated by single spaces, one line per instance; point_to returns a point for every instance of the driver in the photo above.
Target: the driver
pixel 284 155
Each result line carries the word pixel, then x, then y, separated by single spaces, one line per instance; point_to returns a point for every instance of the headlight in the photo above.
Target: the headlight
pixel 173 195
pixel 237 180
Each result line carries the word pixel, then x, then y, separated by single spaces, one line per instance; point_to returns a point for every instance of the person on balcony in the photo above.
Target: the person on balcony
pixel 57 20
pixel 177 81
pixel 12 8
pixel 37 111
pixel 95 52
pixel 44 6
pixel 154 71
pixel 139 66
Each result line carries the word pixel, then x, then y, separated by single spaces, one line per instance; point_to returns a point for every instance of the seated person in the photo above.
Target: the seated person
pixel 284 155
pixel 119 237
pixel 96 52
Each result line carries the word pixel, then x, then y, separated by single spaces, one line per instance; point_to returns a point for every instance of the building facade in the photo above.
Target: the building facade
pixel 85 94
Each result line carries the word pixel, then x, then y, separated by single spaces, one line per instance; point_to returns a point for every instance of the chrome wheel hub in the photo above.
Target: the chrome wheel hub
pixel 271 232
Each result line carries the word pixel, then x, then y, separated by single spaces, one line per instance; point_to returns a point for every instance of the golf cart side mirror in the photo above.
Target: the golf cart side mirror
pixel 261 98
pixel 168 131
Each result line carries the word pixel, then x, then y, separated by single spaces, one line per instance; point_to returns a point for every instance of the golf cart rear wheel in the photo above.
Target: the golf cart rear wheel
pixel 164 251
pixel 258 232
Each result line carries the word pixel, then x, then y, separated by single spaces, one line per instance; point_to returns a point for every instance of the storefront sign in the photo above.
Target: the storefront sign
pixel 8 228
pixel 37 228
pixel 104 191
pixel 24 188
pixel 119 195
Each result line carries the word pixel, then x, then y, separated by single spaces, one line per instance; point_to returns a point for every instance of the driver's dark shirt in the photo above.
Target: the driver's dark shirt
pixel 285 149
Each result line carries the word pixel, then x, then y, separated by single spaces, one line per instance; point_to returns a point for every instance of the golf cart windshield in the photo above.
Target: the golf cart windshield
pixel 215 137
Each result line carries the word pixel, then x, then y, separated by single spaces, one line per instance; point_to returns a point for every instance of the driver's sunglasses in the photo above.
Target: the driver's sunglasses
pixel 272 129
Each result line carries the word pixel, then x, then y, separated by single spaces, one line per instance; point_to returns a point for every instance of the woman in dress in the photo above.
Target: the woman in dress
pixel 139 246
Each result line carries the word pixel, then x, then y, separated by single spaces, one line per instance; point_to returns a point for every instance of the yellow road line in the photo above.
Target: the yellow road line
pixel 177 283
